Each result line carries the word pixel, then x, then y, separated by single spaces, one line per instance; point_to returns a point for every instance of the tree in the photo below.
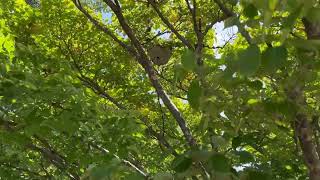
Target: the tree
pixel 81 98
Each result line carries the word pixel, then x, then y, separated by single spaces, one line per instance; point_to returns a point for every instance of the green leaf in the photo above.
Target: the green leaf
pixel 245 157
pixel 100 172
pixel 133 176
pixel 14 138
pixel 181 163
pixel 274 58
pixel 105 171
pixel 200 155
pixel 310 45
pixel 256 84
pixel 3 69
pixel 310 76
pixel 279 106
pixel 194 94
pixel 231 21
pixel 254 175
pixel 272 4
pixel 249 60
pixel 233 2
pixel 179 72
pixel 220 163
pixel 291 19
pixel 250 11
pixel 163 176
pixel 252 101
pixel 219 141
pixel 7 83
pixel 267 17
pixel 188 60
pixel 18 75
pixel 236 142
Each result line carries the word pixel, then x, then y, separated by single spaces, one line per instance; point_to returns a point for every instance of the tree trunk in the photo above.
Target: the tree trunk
pixel 311 158
pixel 302 125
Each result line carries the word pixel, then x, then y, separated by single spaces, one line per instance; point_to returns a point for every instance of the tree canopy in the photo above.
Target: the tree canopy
pixel 160 89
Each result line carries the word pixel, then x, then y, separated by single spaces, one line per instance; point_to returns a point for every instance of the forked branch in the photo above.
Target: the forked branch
pixel 145 62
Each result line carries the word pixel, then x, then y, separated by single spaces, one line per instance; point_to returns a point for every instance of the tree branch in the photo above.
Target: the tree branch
pixel 210 25
pixel 193 12
pixel 230 13
pixel 124 161
pixel 170 26
pixel 99 91
pixel 302 125
pixel 47 152
pixel 311 158
pixel 145 62
pixel 96 88
pixel 102 28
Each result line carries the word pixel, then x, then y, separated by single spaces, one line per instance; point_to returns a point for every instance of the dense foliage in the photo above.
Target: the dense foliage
pixel 82 97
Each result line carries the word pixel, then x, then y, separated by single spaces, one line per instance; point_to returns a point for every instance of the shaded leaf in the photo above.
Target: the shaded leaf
pixel 181 163
pixel 188 60
pixel 236 142
pixel 231 21
pixel 249 60
pixel 163 176
pixel 245 157
pixel 220 163
pixel 274 58
pixel 200 155
pixel 194 94
pixel 256 84
pixel 250 11
pixel 291 19
pixel 313 15
pixel 254 175
pixel 179 72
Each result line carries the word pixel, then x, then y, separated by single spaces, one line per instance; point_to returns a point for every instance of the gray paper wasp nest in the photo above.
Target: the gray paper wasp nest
pixel 160 55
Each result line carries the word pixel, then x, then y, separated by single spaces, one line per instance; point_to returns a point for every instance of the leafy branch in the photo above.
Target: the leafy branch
pixel 145 62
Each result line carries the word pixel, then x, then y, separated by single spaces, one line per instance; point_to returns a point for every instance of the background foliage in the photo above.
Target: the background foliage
pixel 81 99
